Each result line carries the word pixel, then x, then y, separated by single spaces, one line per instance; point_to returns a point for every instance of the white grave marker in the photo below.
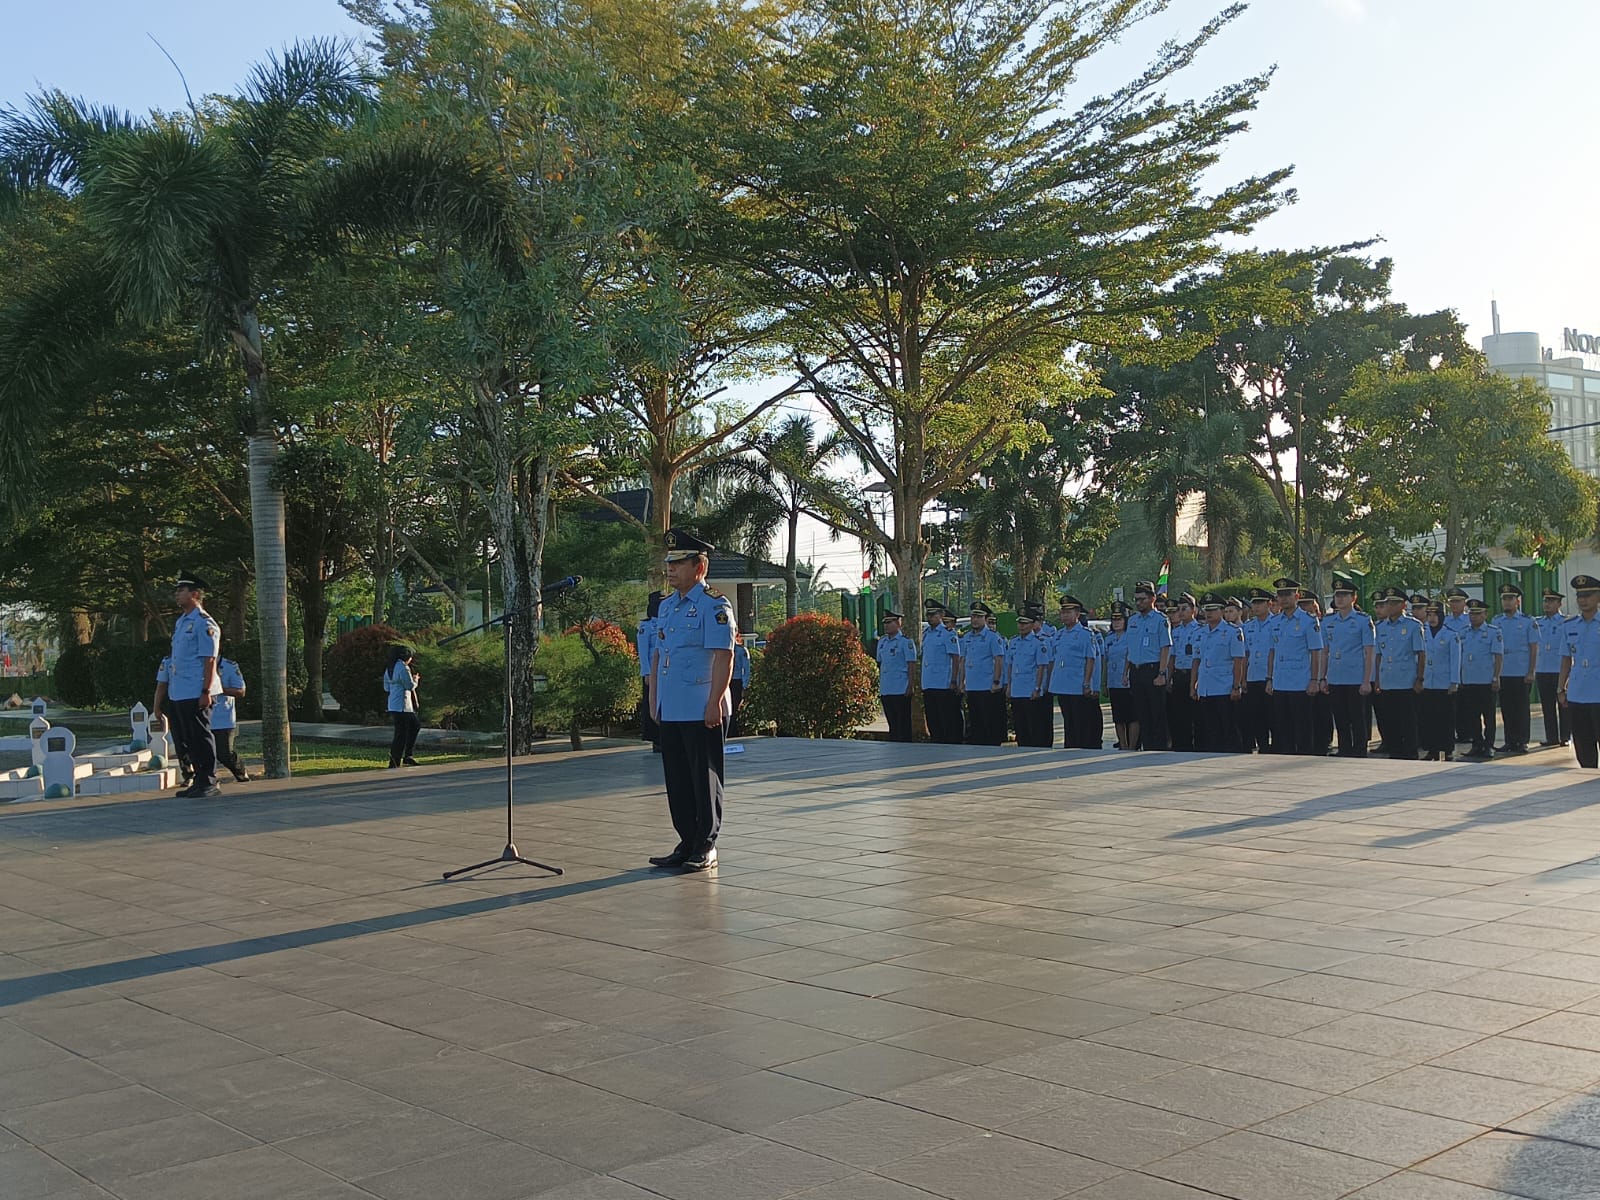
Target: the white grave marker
pixel 41 707
pixel 36 730
pixel 139 719
pixel 60 768
pixel 160 743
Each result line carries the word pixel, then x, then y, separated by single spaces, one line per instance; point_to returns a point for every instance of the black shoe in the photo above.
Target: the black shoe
pixel 241 776
pixel 676 859
pixel 411 762
pixel 393 767
pixel 1566 741
pixel 701 862
pixel 200 791
pixel 1548 742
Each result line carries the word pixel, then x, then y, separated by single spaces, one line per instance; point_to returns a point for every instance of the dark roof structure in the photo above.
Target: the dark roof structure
pixel 727 566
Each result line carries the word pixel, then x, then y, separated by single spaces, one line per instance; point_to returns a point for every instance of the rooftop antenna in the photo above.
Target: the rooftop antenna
pixel 1494 308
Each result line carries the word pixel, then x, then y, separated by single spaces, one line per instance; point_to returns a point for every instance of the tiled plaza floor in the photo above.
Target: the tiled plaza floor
pixel 918 972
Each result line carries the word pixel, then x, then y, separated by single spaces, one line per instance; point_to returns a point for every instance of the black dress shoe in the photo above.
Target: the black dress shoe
pixel 676 859
pixel 411 762
pixel 701 862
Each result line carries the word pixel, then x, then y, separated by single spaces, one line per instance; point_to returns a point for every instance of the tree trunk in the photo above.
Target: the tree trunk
pixel 74 628
pixel 314 629
pixel 1452 545
pixel 271 554
pixel 238 605
pixel 791 563
pixel 576 735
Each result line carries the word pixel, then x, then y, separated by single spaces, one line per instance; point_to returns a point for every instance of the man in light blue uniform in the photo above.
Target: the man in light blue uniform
pixel 1579 688
pixel 983 654
pixel 689 683
pixel 1074 664
pixel 1294 671
pixel 895 653
pixel 939 660
pixel 1482 653
pixel 196 647
pixel 739 684
pixel 1457 622
pixel 1552 645
pixel 1218 682
pixel 1401 663
pixel 1521 637
pixel 1255 716
pixel 1149 659
pixel 1181 715
pixel 224 717
pixel 1352 648
pixel 1029 665
pixel 646 642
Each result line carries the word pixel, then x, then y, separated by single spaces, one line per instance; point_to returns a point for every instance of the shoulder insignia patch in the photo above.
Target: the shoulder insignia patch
pixel 722 616
pixel 714 594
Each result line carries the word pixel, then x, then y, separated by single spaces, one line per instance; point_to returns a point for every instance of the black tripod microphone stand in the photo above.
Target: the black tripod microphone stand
pixel 509 854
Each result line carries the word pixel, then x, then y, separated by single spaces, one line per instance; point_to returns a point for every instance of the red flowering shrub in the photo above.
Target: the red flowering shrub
pixel 353 671
pixel 605 637
pixel 814 680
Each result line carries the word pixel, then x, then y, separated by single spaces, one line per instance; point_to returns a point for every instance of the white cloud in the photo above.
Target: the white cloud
pixel 1355 10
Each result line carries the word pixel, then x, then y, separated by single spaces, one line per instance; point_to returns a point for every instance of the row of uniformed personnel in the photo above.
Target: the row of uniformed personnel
pixel 1285 679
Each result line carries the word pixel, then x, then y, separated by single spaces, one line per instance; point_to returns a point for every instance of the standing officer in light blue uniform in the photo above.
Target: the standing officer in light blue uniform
pixel 1441 679
pixel 1400 667
pixel 1218 682
pixel 1352 650
pixel 646 641
pixel 1579 688
pixel 1552 645
pixel 983 653
pixel 938 676
pixel 1149 659
pixel 1255 710
pixel 1294 672
pixel 1457 622
pixel 1074 659
pixel 196 647
pixel 739 684
pixel 1028 658
pixel 895 653
pixel 1482 653
pixel 1181 716
pixel 1521 637
pixel 689 683
pixel 224 717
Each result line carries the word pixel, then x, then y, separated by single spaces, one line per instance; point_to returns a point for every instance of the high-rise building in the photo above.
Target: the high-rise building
pixel 1573 384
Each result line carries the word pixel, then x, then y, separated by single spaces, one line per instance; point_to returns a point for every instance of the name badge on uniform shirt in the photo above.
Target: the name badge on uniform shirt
pixel 1145 644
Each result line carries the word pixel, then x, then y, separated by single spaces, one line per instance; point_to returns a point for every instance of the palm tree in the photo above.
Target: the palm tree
pixel 203 218
pixel 768 489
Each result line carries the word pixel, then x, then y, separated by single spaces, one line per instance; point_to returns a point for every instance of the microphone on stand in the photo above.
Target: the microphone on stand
pixel 561 585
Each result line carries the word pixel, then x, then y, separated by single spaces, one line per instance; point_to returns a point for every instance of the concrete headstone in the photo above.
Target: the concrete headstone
pixel 60 769
pixel 139 719
pixel 36 730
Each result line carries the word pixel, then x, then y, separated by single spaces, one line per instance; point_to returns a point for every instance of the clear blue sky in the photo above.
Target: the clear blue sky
pixel 1453 129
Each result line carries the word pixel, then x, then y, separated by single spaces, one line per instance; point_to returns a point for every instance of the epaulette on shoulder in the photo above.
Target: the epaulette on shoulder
pixel 714 593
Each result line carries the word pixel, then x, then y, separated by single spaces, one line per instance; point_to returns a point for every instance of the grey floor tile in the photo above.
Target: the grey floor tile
pixel 1115 1131
pixel 1252 1166
pixel 1089 1066
pixel 373 1147
pixel 1524 1166
pixel 1223 1096
pixel 1413 1185
pixel 262 1173
pixel 1459 1095
pixel 752 1102
pixel 868 1070
pixel 864 1187
pixel 1395 1136
pixel 1570 1119
pixel 31 1173
pixel 493 1170
pixel 868 1133
pixel 93 1112
pixel 1525 1062
pixel 738 1168
pixel 981 1096
pixel 59 1081
pixel 116 1154
pixel 986 1167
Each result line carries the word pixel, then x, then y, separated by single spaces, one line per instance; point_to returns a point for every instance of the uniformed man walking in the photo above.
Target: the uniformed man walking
pixel 1552 626
pixel 1517 673
pixel 895 653
pixel 1149 659
pixel 689 679
pixel 1351 646
pixel 983 654
pixel 1482 653
pixel 196 647
pixel 1579 686
pixel 224 717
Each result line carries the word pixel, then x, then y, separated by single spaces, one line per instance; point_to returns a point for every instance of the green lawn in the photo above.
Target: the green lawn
pixel 330 758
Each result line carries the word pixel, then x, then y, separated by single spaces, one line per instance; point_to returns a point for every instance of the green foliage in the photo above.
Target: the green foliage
pixel 814 680
pixel 463 683
pixel 126 675
pixel 1237 587
pixel 247 654
pixel 75 677
pixel 593 680
pixel 354 668
pixel 42 683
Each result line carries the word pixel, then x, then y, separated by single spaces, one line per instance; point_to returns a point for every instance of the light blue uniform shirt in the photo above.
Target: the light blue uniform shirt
pixel 1294 639
pixel 1552 642
pixel 980 648
pixel 1442 667
pixel 645 643
pixel 223 715
pixel 1217 649
pixel 1583 648
pixel 1478 649
pixel 936 664
pixel 1114 651
pixel 1186 644
pixel 1399 641
pixel 1147 634
pixel 1257 642
pixel 689 629
pixel 1456 624
pixel 741 664
pixel 1347 639
pixel 1029 652
pixel 1520 635
pixel 1074 649
pixel 195 637
pixel 896 653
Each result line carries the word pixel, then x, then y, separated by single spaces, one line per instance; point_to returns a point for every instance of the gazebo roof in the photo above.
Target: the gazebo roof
pixel 727 566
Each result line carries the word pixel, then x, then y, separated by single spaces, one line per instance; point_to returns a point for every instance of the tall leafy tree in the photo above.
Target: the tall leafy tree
pixel 1464 450
pixel 939 216
pixel 202 218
